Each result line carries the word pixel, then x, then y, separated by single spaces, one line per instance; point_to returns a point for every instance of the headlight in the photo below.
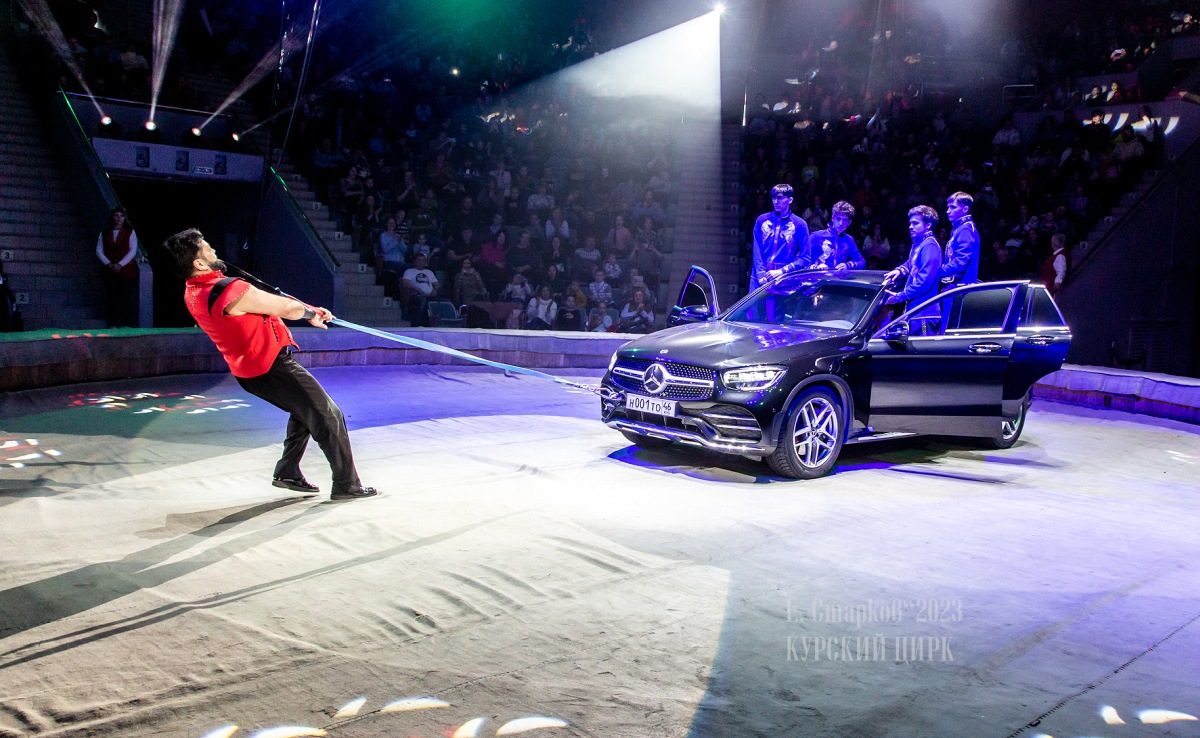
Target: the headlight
pixel 612 362
pixel 753 378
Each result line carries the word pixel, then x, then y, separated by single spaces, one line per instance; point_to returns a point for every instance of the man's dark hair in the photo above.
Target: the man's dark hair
pixel 184 247
pixel 926 213
pixel 962 198
pixel 783 189
pixel 845 208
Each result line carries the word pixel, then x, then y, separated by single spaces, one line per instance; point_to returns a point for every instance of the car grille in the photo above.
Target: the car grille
pixel 684 382
pixel 731 421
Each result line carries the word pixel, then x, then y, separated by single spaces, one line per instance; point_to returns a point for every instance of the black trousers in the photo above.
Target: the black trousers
pixel 120 300
pixel 289 387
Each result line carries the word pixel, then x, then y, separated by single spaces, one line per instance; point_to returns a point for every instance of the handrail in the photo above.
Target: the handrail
pixel 296 209
pixel 95 167
pixel 1153 188
pixel 157 107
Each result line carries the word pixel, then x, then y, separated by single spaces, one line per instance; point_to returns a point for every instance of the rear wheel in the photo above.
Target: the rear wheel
pixel 1010 430
pixel 647 442
pixel 812 436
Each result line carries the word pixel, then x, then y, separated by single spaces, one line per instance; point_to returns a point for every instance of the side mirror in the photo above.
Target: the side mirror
pixel 689 314
pixel 896 332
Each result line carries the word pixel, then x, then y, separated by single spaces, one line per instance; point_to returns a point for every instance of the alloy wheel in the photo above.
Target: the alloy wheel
pixel 816 432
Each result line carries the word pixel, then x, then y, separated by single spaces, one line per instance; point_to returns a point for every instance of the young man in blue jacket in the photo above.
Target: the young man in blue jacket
pixel 920 272
pixel 832 247
pixel 780 240
pixel 960 264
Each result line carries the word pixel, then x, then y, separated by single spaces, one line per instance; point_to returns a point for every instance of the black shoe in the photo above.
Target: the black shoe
pixel 299 484
pixel 353 493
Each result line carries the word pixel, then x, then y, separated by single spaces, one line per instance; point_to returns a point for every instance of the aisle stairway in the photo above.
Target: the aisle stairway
pixel 47 252
pixel 1106 223
pixel 365 302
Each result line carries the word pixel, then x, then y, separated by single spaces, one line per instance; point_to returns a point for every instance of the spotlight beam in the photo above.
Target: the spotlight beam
pixel 261 69
pixel 299 35
pixel 680 64
pixel 166 25
pixel 39 12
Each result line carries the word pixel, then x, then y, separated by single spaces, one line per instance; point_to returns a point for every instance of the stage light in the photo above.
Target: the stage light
pixel 720 8
pixel 454 71
pixel 106 120
pixel 235 136
pixel 195 131
pixel 151 125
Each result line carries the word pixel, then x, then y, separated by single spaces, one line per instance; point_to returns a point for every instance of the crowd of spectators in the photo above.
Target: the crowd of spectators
pixel 1114 42
pixel 433 145
pixel 917 149
pixel 548 200
pixel 423 145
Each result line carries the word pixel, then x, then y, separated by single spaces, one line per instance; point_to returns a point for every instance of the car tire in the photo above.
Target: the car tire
pixel 646 442
pixel 1010 430
pixel 812 436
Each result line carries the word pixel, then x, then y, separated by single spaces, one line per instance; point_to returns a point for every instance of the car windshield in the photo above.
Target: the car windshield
pixel 809 301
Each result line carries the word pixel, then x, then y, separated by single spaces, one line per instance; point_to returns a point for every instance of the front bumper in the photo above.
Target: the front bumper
pixel 725 428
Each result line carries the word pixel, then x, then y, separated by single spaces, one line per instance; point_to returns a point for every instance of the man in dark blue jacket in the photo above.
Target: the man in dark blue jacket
pixel 920 271
pixel 780 240
pixel 961 262
pixel 832 248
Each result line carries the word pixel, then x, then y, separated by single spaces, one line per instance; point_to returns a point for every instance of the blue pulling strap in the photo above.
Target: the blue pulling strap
pixel 418 343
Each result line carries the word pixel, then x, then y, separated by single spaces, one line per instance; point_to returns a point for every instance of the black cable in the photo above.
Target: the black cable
pixel 258 282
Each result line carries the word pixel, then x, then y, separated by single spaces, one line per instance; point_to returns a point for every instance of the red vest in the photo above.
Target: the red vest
pixel 116 249
pixel 248 342
pixel 1047 271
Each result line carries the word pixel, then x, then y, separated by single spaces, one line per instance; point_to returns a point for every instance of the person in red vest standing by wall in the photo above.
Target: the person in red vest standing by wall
pixel 117 248
pixel 1056 267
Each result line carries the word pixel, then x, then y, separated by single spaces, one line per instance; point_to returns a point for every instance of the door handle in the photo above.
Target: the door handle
pixel 984 348
pixel 1041 340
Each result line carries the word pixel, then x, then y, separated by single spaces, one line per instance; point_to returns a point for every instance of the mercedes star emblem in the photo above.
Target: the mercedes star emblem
pixel 655 380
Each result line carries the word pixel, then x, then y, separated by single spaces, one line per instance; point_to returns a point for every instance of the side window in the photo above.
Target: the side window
pixel 699 289
pixel 982 309
pixel 1042 313
pixel 692 295
pixel 977 310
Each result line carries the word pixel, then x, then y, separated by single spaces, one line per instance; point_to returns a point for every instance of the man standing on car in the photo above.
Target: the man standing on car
pixel 920 271
pixel 780 240
pixel 832 247
pixel 961 262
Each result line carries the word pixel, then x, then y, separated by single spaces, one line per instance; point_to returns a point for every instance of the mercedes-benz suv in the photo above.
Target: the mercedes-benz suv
pixel 816 360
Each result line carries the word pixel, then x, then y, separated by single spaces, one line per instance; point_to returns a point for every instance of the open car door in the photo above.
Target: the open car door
pixel 1040 346
pixel 697 299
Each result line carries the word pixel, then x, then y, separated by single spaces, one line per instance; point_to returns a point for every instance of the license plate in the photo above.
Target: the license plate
pixel 652 405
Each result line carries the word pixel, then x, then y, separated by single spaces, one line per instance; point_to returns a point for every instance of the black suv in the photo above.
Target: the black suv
pixel 816 360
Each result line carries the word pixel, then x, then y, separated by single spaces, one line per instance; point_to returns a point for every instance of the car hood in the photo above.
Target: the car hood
pixel 720 344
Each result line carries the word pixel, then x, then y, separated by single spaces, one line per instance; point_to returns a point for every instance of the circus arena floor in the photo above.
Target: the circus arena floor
pixel 527 571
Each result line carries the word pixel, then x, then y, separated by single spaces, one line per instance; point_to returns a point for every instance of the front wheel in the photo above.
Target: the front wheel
pixel 1010 430
pixel 812 436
